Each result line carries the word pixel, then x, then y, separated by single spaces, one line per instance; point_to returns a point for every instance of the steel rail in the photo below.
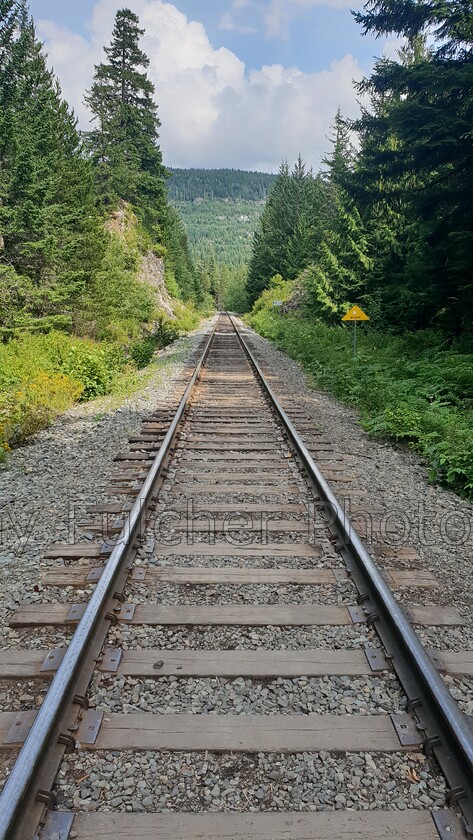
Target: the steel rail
pixel 441 710
pixel 25 771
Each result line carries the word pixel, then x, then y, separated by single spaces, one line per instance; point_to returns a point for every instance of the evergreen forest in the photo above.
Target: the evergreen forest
pixel 220 209
pixel 228 184
pixel 386 224
pixel 80 216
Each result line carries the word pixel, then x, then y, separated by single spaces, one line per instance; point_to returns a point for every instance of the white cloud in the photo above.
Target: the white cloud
pixel 279 13
pixel 228 23
pixel 391 48
pixel 72 58
pixel 213 112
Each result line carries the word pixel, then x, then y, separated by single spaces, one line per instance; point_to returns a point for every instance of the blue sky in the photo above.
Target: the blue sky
pixel 316 35
pixel 239 82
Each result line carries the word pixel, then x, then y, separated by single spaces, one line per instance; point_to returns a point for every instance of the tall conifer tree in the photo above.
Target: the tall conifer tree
pixel 428 114
pixel 284 240
pixel 47 216
pixel 341 262
pixel 124 143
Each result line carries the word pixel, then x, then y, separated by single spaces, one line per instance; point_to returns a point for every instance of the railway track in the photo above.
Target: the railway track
pixel 237 665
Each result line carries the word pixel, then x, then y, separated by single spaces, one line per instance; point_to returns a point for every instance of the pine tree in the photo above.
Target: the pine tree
pixel 392 228
pixel 270 240
pixel 341 262
pixel 340 271
pixel 284 241
pixel 13 16
pixel 47 215
pixel 124 144
pixel 429 163
pixel 448 24
pixel 179 261
pixel 342 158
pixel 299 241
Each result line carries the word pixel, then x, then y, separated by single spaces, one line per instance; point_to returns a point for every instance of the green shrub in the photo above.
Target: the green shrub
pixel 171 283
pixel 159 251
pixel 412 387
pixel 88 366
pixel 43 375
pixel 164 333
pixel 451 459
pixel 186 317
pixel 142 351
pixel 33 405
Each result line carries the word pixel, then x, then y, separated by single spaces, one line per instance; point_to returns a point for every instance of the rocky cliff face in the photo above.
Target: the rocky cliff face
pixel 152 272
pixel 119 221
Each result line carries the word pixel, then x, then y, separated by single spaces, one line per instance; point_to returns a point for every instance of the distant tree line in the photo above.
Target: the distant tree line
pixel 390 224
pixel 231 184
pixel 220 209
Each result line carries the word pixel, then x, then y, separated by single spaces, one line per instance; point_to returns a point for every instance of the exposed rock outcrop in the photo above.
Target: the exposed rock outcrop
pixel 152 272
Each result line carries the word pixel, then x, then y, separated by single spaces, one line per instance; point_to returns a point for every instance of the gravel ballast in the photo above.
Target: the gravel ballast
pixel 321 695
pixel 438 524
pixel 77 452
pixel 240 638
pixel 344 593
pixel 261 782
pixel 48 484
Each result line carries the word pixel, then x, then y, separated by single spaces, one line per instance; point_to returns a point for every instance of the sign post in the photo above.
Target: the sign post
pixel 355 314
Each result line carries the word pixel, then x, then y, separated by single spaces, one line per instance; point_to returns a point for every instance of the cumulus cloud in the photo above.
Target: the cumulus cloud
pixel 392 47
pixel 279 13
pixel 228 23
pixel 213 112
pixel 72 58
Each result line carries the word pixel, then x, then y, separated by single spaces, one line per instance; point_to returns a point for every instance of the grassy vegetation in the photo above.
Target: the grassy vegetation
pixel 416 387
pixel 118 328
pixel 42 376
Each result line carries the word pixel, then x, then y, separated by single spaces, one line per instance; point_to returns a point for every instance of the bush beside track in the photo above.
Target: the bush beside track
pixel 415 387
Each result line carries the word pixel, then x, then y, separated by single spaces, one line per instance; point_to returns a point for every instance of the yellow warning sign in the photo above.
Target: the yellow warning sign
pixel 355 314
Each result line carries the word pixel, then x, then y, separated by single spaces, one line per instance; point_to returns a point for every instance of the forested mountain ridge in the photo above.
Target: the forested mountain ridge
pixel 231 184
pixel 220 229
pixel 221 209
pixel 220 233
